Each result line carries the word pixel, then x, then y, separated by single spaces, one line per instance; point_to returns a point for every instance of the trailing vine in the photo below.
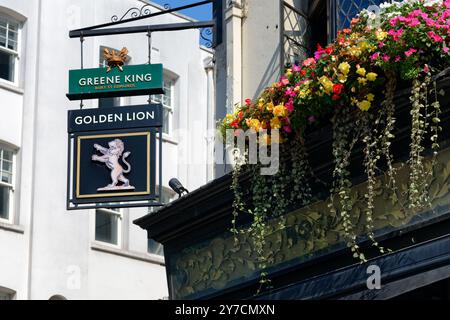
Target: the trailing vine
pixel 417 177
pixel 343 145
pixel 300 173
pixel 258 228
pixel 435 127
pixel 238 202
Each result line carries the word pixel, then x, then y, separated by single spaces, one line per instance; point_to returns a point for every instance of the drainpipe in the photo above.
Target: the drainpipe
pixel 33 152
pixel 233 22
pixel 208 64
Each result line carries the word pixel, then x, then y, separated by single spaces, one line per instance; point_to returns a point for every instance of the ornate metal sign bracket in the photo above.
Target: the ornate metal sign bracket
pixel 206 28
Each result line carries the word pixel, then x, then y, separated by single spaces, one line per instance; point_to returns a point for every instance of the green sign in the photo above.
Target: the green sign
pixel 135 80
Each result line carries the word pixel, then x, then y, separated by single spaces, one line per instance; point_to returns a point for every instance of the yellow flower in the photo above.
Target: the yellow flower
pixel 364 105
pixel 304 93
pixel 361 71
pixel 344 67
pixel 270 106
pixel 354 51
pixel 362 81
pixel 342 78
pixel 370 97
pixel 371 76
pixel 354 36
pixel 364 45
pixel 354 100
pixel 280 111
pixel 327 84
pixel 381 35
pixel 275 123
pixel 254 124
pixel 261 102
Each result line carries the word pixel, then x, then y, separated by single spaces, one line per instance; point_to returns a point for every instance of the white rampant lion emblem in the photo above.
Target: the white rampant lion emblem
pixel 111 158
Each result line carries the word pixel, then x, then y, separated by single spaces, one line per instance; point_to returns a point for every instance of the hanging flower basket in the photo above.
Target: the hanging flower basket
pixel 352 83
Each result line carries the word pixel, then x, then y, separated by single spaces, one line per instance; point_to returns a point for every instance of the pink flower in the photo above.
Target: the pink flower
pixel 290 105
pixel 248 102
pixel 375 56
pixel 416 13
pixel 393 21
pixel 385 57
pixel 312 119
pixel 380 45
pixel 426 68
pixel 290 92
pixel 287 129
pixel 410 52
pixel 435 37
pixel 430 22
pixel 308 62
pixel 284 81
pixel 396 34
pixel 413 22
pixel 445 49
pixel 397 58
pixel 296 68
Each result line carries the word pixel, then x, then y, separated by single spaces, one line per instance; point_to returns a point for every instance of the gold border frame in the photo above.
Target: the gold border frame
pixel 105 195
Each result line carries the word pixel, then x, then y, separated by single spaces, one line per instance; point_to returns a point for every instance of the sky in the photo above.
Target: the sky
pixel 201 13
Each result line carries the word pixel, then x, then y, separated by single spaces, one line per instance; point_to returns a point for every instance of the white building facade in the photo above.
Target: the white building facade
pixel 45 251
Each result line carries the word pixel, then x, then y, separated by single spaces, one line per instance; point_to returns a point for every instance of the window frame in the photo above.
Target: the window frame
pixel 11 186
pixel 120 217
pixel 168 130
pixel 170 196
pixel 153 254
pixel 15 54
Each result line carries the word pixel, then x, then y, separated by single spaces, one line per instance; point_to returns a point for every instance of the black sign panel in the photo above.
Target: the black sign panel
pixel 114 165
pixel 112 156
pixel 115 118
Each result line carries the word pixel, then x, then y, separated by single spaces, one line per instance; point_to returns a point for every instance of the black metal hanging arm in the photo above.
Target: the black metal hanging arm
pixel 141 29
pixel 109 24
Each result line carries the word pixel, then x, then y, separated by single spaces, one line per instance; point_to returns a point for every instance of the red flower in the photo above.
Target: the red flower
pixel 248 102
pixel 337 88
pixel 335 97
pixel 241 115
pixel 347 31
pixel 354 21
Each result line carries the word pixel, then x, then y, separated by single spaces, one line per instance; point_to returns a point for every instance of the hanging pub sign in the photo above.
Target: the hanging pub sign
pixel 115 80
pixel 112 156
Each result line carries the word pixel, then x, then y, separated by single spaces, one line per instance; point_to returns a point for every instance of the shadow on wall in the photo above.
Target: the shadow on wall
pixel 273 68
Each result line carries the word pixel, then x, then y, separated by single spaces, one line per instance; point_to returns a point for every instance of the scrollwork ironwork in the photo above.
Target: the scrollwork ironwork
pixel 137 12
pixel 206 37
pixel 134 13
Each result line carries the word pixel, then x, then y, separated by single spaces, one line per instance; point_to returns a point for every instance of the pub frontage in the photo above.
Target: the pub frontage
pixel 394 251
